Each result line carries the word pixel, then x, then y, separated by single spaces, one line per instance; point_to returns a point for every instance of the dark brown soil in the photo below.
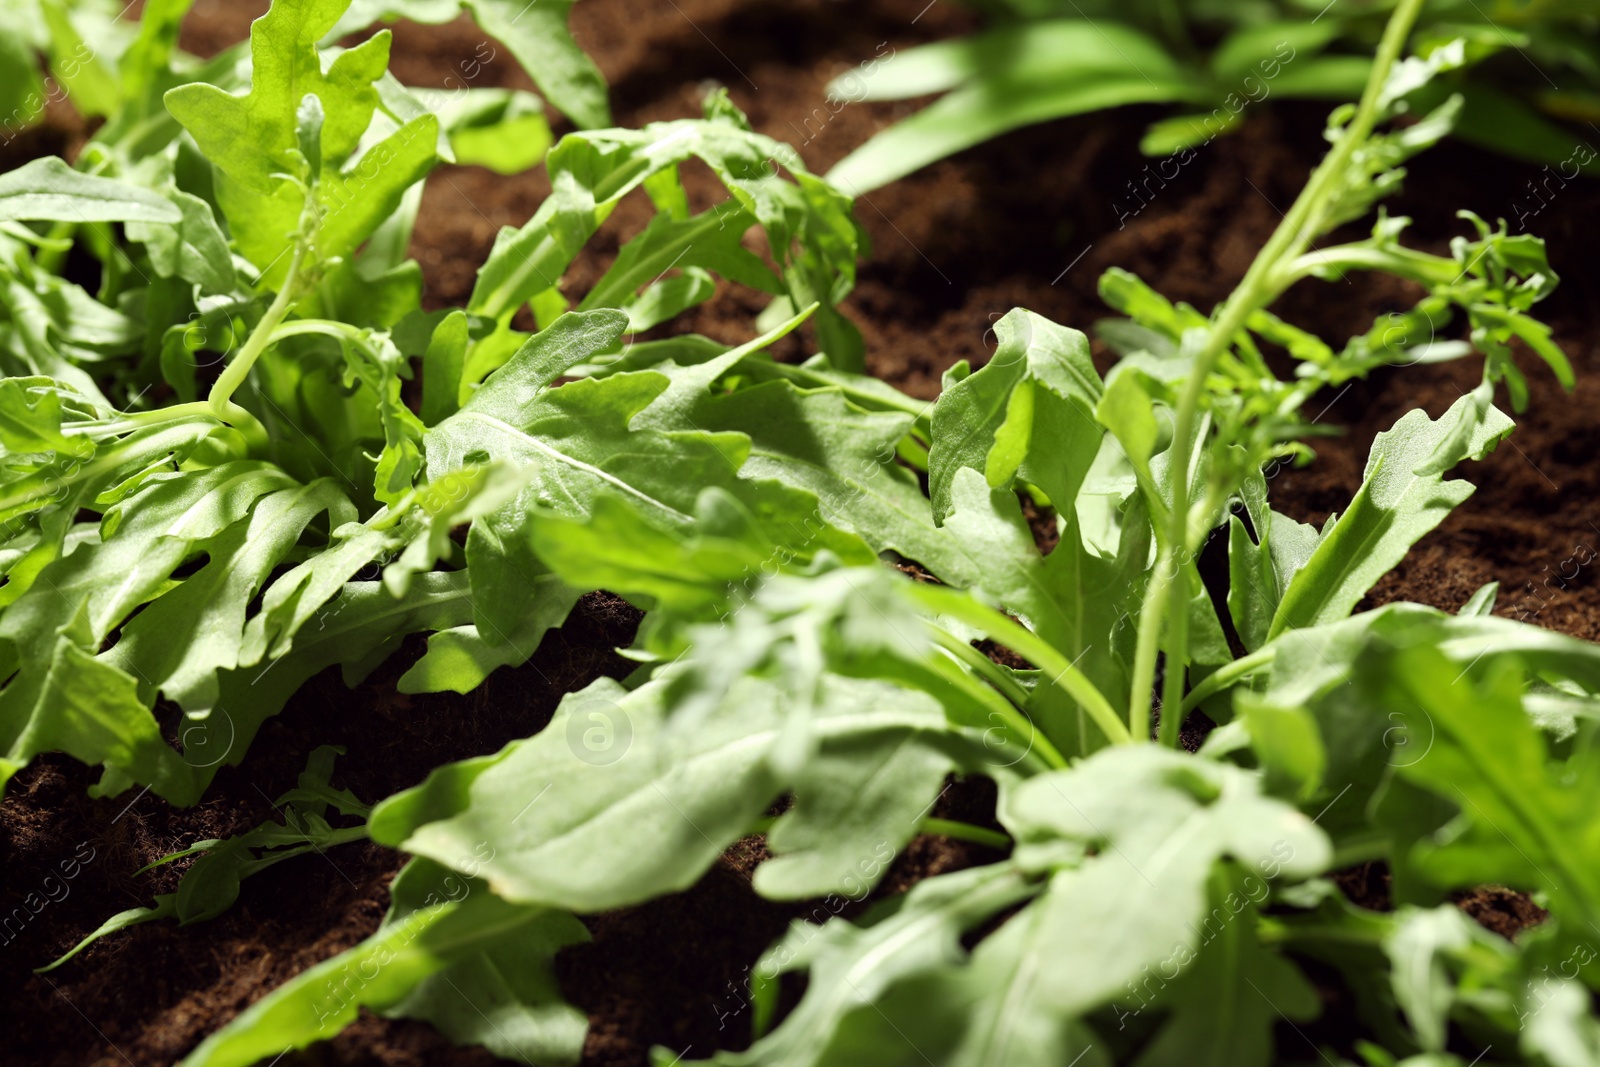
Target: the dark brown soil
pixel 1028 221
pixel 1502 910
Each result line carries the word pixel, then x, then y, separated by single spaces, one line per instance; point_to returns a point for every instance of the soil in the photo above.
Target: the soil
pixel 1031 220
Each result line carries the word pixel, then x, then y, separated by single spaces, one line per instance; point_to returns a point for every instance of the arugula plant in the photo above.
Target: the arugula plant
pixel 211 884
pixel 1528 89
pixel 449 952
pixel 107 66
pixel 215 534
pixel 1136 893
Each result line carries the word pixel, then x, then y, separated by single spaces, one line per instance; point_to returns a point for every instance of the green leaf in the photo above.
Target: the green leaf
pixel 592 438
pixel 47 190
pixel 504 998
pixel 49 487
pixel 1132 831
pixel 1322 659
pixel 1129 411
pixel 1288 746
pixel 1226 1004
pixel 357 630
pixel 852 966
pixel 217 672
pixel 308 121
pixel 1494 119
pixel 92 85
pixel 1129 294
pixel 536 35
pixel 1340 674
pixel 1170 136
pixel 148 56
pixel 1245 51
pixel 164 909
pixel 1424 947
pixel 616 550
pixel 1524 820
pixel 253 140
pixel 1403 496
pixel 987 420
pixel 195 249
pixel 832 838
pixel 58 327
pixel 415 536
pixel 178 644
pixel 1334 78
pixel 539 40
pixel 460 658
pixel 610 758
pixel 19 74
pixel 989 1007
pixel 810 231
pixel 91 711
pixel 1324 926
pixel 1260 569
pixel 1007 78
pixel 820 441
pixel 379 365
pixel 1563 1029
pixel 577 443
pixel 755 367
pixel 91 591
pixel 30 420
pixel 1481 603
pixel 441 368
pixel 502 129
pixel 1160 821
pixel 710 240
pixel 1077 601
pixel 439 923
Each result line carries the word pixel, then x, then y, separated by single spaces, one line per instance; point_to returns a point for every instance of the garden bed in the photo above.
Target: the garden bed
pixel 1029 221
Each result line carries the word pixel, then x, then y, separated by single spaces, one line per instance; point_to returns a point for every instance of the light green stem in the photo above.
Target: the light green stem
pixel 1418 266
pixel 965 831
pixel 1164 597
pixel 982 665
pixel 234 374
pixel 1359 850
pixel 1274 931
pixel 1033 742
pixel 1059 671
pixel 341 331
pixel 1224 677
pixel 248 425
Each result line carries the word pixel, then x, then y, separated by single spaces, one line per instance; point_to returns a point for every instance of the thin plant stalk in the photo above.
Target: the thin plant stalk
pixel 1165 597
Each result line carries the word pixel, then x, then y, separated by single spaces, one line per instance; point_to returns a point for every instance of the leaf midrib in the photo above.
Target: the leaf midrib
pixel 573 462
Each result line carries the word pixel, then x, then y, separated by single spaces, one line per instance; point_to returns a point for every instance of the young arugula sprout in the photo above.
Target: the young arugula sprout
pixel 1495 283
pixel 211 884
pixel 449 952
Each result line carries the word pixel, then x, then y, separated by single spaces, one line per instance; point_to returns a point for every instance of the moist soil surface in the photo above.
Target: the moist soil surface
pixel 1030 220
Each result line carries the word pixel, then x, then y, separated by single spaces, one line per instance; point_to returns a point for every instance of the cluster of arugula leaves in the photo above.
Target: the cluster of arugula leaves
pixel 1530 88
pixel 219 479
